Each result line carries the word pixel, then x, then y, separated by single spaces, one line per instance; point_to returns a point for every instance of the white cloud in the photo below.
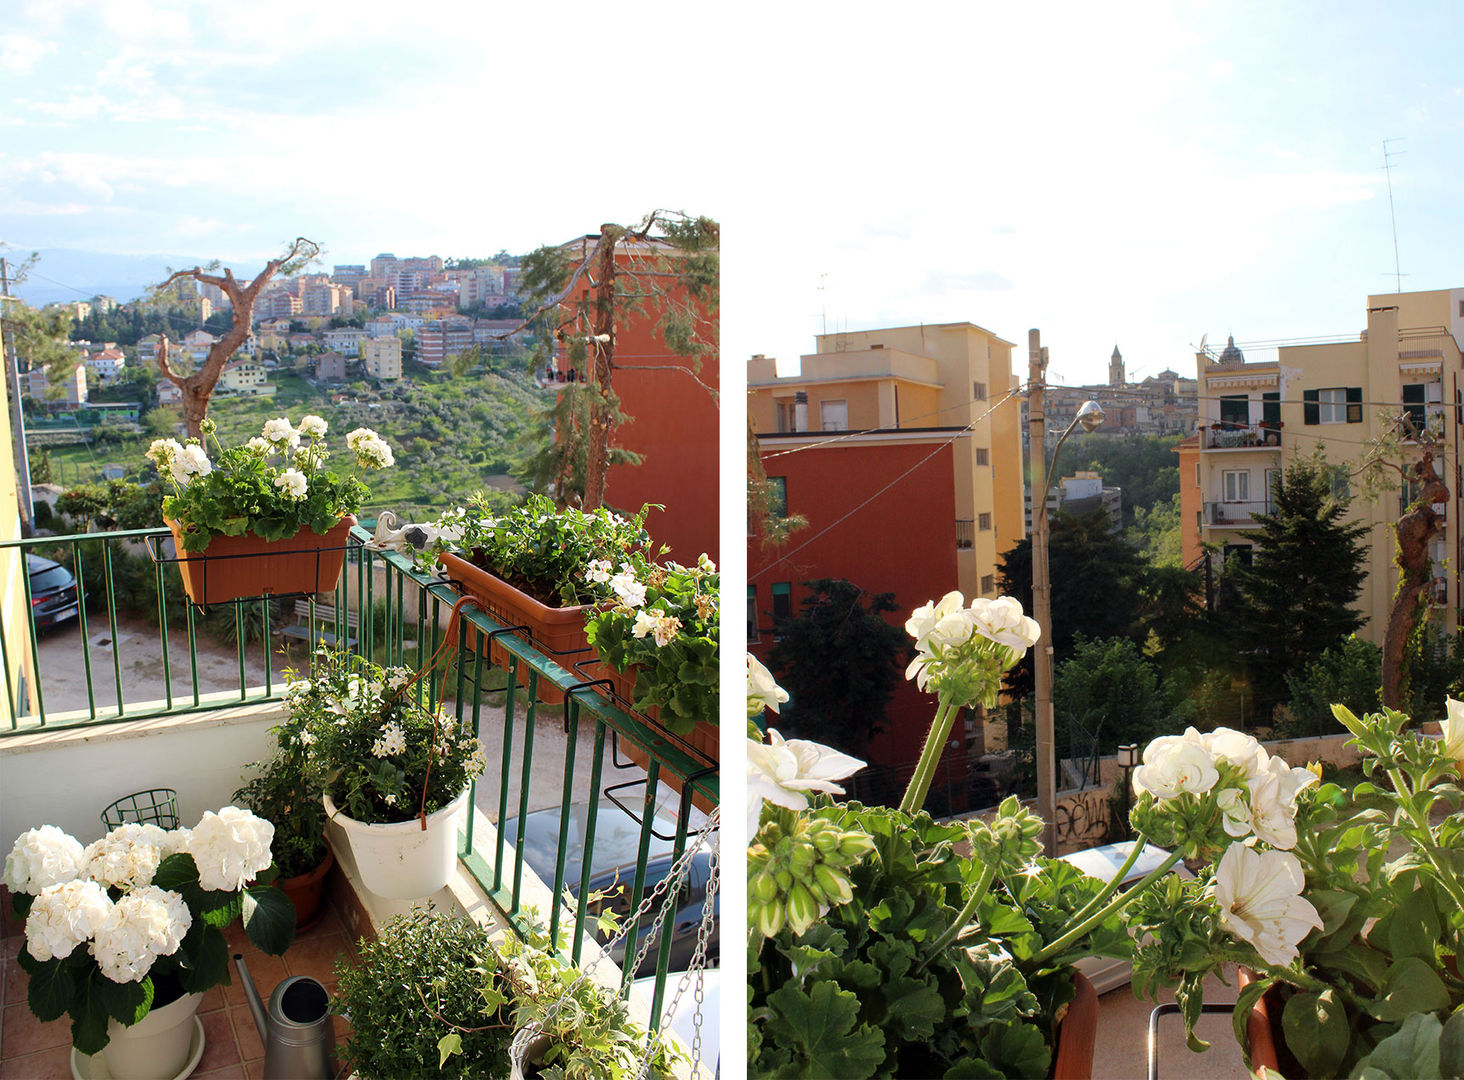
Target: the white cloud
pixel 20 53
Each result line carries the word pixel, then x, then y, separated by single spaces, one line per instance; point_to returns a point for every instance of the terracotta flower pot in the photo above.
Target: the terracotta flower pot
pixel 306 891
pixel 557 632
pixel 241 567
pixel 1263 1029
pixel 1077 1033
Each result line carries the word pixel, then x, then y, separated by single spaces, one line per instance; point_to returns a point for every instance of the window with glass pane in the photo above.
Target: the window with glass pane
pixel 1332 405
pixel 1237 486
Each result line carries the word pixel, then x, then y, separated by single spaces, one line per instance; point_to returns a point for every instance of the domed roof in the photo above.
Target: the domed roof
pixel 1232 355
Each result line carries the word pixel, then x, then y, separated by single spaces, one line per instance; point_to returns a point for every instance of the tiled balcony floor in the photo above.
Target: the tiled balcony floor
pixel 31 1050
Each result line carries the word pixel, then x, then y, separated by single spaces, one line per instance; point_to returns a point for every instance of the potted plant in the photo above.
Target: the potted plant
pixel 884 943
pixel 285 791
pixel 533 567
pixel 416 990
pixel 1347 908
pixel 126 934
pixel 396 771
pixel 660 640
pixel 267 517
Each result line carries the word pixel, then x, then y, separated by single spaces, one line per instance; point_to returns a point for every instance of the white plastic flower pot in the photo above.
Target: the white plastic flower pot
pixel 168 1043
pixel 400 861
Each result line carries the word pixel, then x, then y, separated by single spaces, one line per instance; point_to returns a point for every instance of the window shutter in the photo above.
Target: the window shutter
pixel 1354 404
pixel 1311 409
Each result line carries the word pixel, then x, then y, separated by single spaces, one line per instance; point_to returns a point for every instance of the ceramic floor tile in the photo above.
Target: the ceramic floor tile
pixel 328 923
pixel 214 998
pixel 54 1064
pixel 246 1033
pixel 316 957
pixel 23 1034
pixel 228 1072
pixel 219 1047
pixel 265 970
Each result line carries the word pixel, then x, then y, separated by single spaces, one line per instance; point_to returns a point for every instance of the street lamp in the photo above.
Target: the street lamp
pixel 1089 416
pixel 1128 757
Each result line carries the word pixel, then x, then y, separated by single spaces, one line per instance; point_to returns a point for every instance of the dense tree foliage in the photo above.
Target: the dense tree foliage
pixel 1144 466
pixel 1110 690
pixel 1347 673
pixel 840 660
pixel 1306 571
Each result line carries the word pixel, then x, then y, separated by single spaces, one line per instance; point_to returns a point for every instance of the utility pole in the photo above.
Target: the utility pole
pixel 1041 592
pixel 17 414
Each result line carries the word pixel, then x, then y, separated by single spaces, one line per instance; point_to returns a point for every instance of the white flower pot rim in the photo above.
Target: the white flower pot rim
pixel 334 813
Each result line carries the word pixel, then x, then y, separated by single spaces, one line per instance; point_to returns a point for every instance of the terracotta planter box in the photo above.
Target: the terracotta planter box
pixel 1077 1033
pixel 246 567
pixel 1263 1029
pixel 704 740
pixel 557 632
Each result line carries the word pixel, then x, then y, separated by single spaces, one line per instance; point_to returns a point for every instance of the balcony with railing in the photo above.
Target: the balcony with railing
pixel 1235 515
pixel 965 534
pixel 1225 435
pixel 127 686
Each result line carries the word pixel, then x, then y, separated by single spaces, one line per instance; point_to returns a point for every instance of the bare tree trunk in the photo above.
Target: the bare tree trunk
pixel 1415 531
pixel 602 344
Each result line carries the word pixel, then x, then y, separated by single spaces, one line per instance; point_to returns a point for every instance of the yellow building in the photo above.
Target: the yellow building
pixel 381 358
pixel 952 376
pixel 14 613
pixel 1342 394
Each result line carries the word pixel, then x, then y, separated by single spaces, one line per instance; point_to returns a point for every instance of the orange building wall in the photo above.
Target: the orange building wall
pixel 1190 498
pixel 902 542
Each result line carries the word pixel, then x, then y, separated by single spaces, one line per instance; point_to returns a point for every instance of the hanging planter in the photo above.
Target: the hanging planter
pixel 247 567
pixel 401 860
pixel 1077 1033
pixel 557 632
pixel 703 741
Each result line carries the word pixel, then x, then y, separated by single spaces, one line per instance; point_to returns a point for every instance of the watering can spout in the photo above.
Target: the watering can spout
pixel 252 996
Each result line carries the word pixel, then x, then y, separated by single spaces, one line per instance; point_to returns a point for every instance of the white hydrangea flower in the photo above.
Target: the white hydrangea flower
pixel 293 483
pixel 230 847
pixel 41 858
pixel 176 842
pixel 143 925
pixel 63 916
pixel 126 857
pixel 313 426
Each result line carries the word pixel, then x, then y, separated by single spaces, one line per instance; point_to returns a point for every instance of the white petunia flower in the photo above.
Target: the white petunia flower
pixel 63 916
pixel 41 858
pixel 784 771
pixel 1259 894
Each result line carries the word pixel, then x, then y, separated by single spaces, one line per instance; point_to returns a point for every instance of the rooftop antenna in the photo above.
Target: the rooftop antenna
pixel 1388 156
pixel 823 305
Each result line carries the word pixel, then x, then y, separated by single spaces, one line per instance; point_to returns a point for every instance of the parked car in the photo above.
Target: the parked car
pixel 53 591
pixel 1106 973
pixel 617 840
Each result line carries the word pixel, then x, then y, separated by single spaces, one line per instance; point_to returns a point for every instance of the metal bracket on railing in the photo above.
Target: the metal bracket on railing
pixel 569 691
pixel 1172 1008
pixel 627 811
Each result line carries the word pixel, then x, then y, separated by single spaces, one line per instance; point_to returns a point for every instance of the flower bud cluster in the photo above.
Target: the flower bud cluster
pixel 797 871
pixel 1010 839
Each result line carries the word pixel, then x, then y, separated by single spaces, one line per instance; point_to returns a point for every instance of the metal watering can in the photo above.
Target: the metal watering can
pixel 297 1033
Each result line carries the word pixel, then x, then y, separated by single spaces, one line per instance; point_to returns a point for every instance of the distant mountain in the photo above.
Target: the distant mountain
pixel 64 274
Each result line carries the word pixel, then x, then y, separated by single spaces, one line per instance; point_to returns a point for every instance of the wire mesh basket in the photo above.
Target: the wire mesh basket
pixel 157 806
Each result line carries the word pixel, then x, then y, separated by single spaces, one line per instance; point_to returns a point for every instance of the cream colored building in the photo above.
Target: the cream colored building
pixel 14 613
pixel 1257 415
pixel 381 358
pixel 952 376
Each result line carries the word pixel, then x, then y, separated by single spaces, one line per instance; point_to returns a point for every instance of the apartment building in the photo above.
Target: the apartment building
pixel 108 364
pixel 245 377
pixel 443 339
pixel 72 393
pixel 1258 413
pixel 381 357
pixel 346 339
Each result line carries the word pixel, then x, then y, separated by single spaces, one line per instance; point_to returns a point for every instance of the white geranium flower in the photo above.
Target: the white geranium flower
pixel 1003 621
pixel 1272 813
pixel 645 623
pixel 632 593
pixel 763 691
pixel 784 771
pixel 705 564
pixel 280 433
pixel 939 624
pixel 598 571
pixel 1236 747
pixel 63 916
pixel 188 462
pixel 162 452
pixel 258 446
pixel 126 857
pixel 1174 765
pixel 1453 731
pixel 667 627
pixel 372 451
pixel 41 858
pixel 230 847
pixel 1259 894
pixel 293 483
pixel 312 427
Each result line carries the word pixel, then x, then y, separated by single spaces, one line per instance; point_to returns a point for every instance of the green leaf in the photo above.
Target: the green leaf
pixel 176 873
pixel 1365 965
pixel 20 903
pixel 1451 1046
pixel 207 965
pixel 89 1016
pixel 1016 1049
pixel 52 986
pixel 128 1002
pixel 820 1027
pixel 1411 1051
pixel 447 1046
pixel 218 907
pixel 1415 927
pixel 269 919
pixel 1316 1031
pixel 1412 986
pixel 1245 1003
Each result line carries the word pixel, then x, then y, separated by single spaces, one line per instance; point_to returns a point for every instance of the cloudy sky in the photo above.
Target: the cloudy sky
pixel 1127 174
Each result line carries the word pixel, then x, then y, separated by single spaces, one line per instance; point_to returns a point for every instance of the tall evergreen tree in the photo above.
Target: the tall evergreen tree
pixel 1306 571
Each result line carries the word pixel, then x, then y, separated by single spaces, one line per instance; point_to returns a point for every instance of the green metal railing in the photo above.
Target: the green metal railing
pixel 407 627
